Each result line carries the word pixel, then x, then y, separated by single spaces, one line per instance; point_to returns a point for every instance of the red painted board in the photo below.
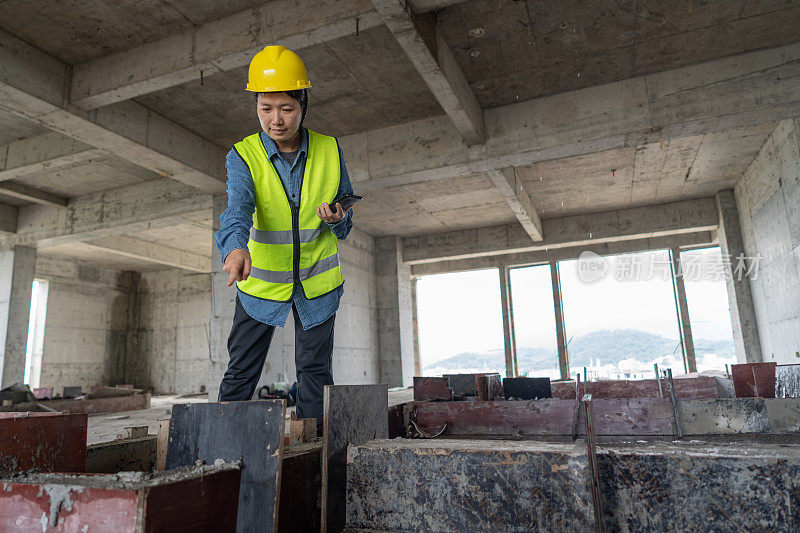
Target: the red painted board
pixel 199 501
pixel 624 416
pixel 744 379
pixel 42 442
pixel 432 389
pixel 29 508
pixel 686 388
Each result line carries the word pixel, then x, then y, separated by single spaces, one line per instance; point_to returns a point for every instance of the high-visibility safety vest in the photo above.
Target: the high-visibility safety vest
pixel 290 243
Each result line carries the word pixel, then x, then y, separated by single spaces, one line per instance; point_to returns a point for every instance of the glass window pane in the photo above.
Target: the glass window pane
pixel 709 316
pixel 460 323
pixel 534 321
pixel 620 316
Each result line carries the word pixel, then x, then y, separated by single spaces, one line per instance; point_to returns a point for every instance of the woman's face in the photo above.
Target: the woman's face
pixel 280 115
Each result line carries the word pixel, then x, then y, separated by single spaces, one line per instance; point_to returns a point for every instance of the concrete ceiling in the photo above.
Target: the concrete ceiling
pixel 86 177
pixel 512 51
pixel 360 83
pixel 14 128
pixel 509 51
pixel 75 31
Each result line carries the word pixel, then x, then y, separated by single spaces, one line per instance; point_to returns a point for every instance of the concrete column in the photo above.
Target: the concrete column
pixel 415 325
pixel 682 308
pixel 509 340
pixel 740 301
pixel 223 305
pixel 561 335
pixel 17 266
pixel 395 321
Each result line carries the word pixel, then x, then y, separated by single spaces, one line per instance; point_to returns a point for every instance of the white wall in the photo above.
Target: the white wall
pixel 172 339
pixel 85 333
pixel 768 199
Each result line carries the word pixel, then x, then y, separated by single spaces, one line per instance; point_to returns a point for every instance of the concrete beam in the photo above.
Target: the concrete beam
pixel 423 42
pixel 746 340
pixel 124 246
pixel 747 89
pixel 48 151
pixel 9 215
pixel 153 204
pixel 539 257
pixel 518 200
pixel 687 216
pixel 222 45
pixel 23 192
pixel 35 86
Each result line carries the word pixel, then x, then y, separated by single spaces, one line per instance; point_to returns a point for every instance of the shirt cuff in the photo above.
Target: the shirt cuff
pixel 225 251
pixel 339 227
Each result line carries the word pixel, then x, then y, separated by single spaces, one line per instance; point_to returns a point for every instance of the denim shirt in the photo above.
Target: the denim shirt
pixel 237 219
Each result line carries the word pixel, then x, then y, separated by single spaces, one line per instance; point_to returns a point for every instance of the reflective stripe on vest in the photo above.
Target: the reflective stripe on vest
pixel 290 243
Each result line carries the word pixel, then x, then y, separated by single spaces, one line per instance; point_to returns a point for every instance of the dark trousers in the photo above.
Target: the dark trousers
pixel 248 344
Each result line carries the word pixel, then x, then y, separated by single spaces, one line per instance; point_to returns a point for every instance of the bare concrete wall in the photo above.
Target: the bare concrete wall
pixel 85 325
pixel 768 199
pixel 172 351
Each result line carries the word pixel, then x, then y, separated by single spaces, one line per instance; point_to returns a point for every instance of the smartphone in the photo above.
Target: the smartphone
pixel 346 200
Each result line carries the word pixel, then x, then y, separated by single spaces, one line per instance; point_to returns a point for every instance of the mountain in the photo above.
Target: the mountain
pixel 603 347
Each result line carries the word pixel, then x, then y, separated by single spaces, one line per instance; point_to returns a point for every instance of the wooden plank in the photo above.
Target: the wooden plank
pixel 550 417
pixel 88 406
pixel 527 388
pixel 301 482
pixel 352 415
pixel 136 454
pixel 464 384
pixel 427 389
pixel 161 443
pixel 248 431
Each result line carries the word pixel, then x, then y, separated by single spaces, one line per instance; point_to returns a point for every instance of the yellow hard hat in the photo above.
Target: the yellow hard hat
pixel 277 69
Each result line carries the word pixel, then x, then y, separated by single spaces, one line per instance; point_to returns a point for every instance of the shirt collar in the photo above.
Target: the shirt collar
pixel 272 148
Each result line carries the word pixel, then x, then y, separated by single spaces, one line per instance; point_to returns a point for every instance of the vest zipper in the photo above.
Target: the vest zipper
pixel 296 240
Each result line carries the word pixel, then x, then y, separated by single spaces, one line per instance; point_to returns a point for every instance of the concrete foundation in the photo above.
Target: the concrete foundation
pixel 465 485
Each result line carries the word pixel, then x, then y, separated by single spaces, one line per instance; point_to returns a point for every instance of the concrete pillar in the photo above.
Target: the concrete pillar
pixel 395 321
pixel 561 335
pixel 682 308
pixel 223 305
pixel 415 325
pixel 509 340
pixel 17 266
pixel 740 301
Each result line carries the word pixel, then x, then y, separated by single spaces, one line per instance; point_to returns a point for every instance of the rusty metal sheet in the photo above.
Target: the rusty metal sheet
pixel 42 442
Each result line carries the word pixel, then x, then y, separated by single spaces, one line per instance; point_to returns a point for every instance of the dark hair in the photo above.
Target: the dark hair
pixel 301 95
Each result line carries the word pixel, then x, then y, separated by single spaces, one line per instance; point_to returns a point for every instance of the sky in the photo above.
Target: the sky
pixel 461 312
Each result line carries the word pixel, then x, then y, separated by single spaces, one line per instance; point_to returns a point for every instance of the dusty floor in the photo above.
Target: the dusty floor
pixel 106 427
